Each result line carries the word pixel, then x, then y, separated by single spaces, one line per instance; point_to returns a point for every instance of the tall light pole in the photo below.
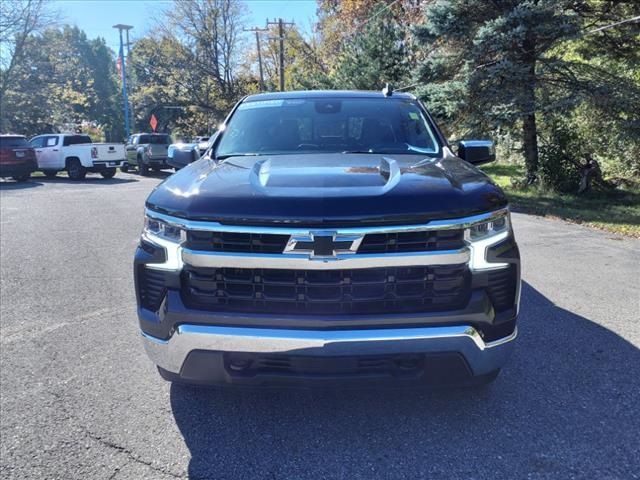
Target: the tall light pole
pixel 125 99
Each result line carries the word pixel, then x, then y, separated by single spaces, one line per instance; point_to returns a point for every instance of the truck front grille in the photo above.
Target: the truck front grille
pixel 418 241
pixel 322 292
pixel 236 242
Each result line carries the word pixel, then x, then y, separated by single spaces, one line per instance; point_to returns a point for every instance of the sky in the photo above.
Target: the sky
pixel 96 17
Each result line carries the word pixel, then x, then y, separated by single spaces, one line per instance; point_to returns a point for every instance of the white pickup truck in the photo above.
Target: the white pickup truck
pixel 76 154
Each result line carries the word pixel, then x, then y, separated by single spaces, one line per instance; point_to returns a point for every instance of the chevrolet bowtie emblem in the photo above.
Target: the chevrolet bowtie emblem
pixel 322 245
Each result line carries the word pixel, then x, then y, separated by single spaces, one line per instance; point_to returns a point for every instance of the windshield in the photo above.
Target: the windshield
pixel 376 125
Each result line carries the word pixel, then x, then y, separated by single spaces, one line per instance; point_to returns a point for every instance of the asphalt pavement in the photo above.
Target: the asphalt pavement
pixel 80 400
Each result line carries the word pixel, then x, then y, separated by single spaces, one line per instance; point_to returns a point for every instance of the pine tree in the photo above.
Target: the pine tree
pixel 499 64
pixel 377 54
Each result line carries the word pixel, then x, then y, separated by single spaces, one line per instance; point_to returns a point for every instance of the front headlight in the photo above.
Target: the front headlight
pixel 482 235
pixel 160 229
pixel 488 229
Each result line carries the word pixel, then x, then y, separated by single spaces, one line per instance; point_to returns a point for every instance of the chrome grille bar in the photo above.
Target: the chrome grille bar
pixel 341 261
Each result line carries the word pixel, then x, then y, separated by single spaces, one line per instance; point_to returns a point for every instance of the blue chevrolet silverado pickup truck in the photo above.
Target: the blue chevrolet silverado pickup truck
pixel 329 237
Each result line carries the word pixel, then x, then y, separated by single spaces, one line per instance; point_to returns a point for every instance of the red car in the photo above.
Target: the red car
pixel 17 158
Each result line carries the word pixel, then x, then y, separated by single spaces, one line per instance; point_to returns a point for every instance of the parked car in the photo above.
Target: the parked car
pixel 17 158
pixel 76 154
pixel 202 142
pixel 329 237
pixel 179 155
pixel 147 151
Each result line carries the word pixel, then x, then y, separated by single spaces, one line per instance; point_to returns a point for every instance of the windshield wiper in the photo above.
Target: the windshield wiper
pixel 368 151
pixel 388 151
pixel 224 157
pixel 391 151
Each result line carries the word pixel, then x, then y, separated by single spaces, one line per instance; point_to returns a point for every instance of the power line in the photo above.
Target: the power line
pixel 605 27
pixel 386 7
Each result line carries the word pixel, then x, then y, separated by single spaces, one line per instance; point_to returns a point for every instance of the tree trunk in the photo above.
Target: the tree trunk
pixel 529 129
pixel 530 145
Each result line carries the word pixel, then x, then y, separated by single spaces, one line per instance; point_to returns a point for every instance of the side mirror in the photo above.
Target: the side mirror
pixel 477 151
pixel 209 153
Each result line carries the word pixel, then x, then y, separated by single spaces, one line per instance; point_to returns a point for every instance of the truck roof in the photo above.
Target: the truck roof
pixel 325 94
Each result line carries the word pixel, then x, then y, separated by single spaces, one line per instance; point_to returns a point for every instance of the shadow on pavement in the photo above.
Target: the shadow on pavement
pixel 13 185
pixel 564 407
pixel 152 173
pixel 90 180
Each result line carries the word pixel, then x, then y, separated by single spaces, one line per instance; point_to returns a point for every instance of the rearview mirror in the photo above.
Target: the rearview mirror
pixel 477 151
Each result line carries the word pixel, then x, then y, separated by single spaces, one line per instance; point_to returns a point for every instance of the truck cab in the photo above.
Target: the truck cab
pixel 77 155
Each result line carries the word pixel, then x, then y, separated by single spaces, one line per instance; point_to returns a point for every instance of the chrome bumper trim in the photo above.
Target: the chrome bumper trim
pixel 482 357
pixel 106 163
pixel 287 229
pixel 198 258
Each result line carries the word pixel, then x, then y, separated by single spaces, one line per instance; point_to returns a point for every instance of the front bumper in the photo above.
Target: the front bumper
pixel 177 354
pixel 158 161
pixel 109 164
pixel 208 344
pixel 17 169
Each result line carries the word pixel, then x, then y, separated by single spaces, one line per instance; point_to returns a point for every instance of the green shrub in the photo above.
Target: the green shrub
pixel 561 153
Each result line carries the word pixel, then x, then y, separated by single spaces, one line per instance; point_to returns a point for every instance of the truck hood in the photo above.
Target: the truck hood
pixel 324 189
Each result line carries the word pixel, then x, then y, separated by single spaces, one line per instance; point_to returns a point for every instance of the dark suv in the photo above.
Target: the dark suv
pixel 17 158
pixel 329 236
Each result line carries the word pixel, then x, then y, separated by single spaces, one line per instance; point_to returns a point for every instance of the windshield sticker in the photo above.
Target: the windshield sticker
pixel 414 116
pixel 260 104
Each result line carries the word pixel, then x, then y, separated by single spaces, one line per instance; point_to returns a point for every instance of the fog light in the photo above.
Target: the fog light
pixel 239 364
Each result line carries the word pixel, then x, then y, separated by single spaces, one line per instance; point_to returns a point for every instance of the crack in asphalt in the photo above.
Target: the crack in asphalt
pixel 129 454
pixel 69 417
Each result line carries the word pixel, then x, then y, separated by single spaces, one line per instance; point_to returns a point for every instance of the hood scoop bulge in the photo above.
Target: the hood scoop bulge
pixel 275 179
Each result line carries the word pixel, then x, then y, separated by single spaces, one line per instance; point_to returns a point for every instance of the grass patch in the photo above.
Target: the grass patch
pixel 616 211
pixel 39 174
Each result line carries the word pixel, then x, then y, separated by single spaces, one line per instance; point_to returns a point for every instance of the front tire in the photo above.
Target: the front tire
pixel 124 168
pixel 108 173
pixel 75 170
pixel 22 178
pixel 143 167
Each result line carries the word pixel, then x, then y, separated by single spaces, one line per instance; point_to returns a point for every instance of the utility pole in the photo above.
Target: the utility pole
pixel 258 30
pixel 133 114
pixel 125 99
pixel 281 25
pixel 281 38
